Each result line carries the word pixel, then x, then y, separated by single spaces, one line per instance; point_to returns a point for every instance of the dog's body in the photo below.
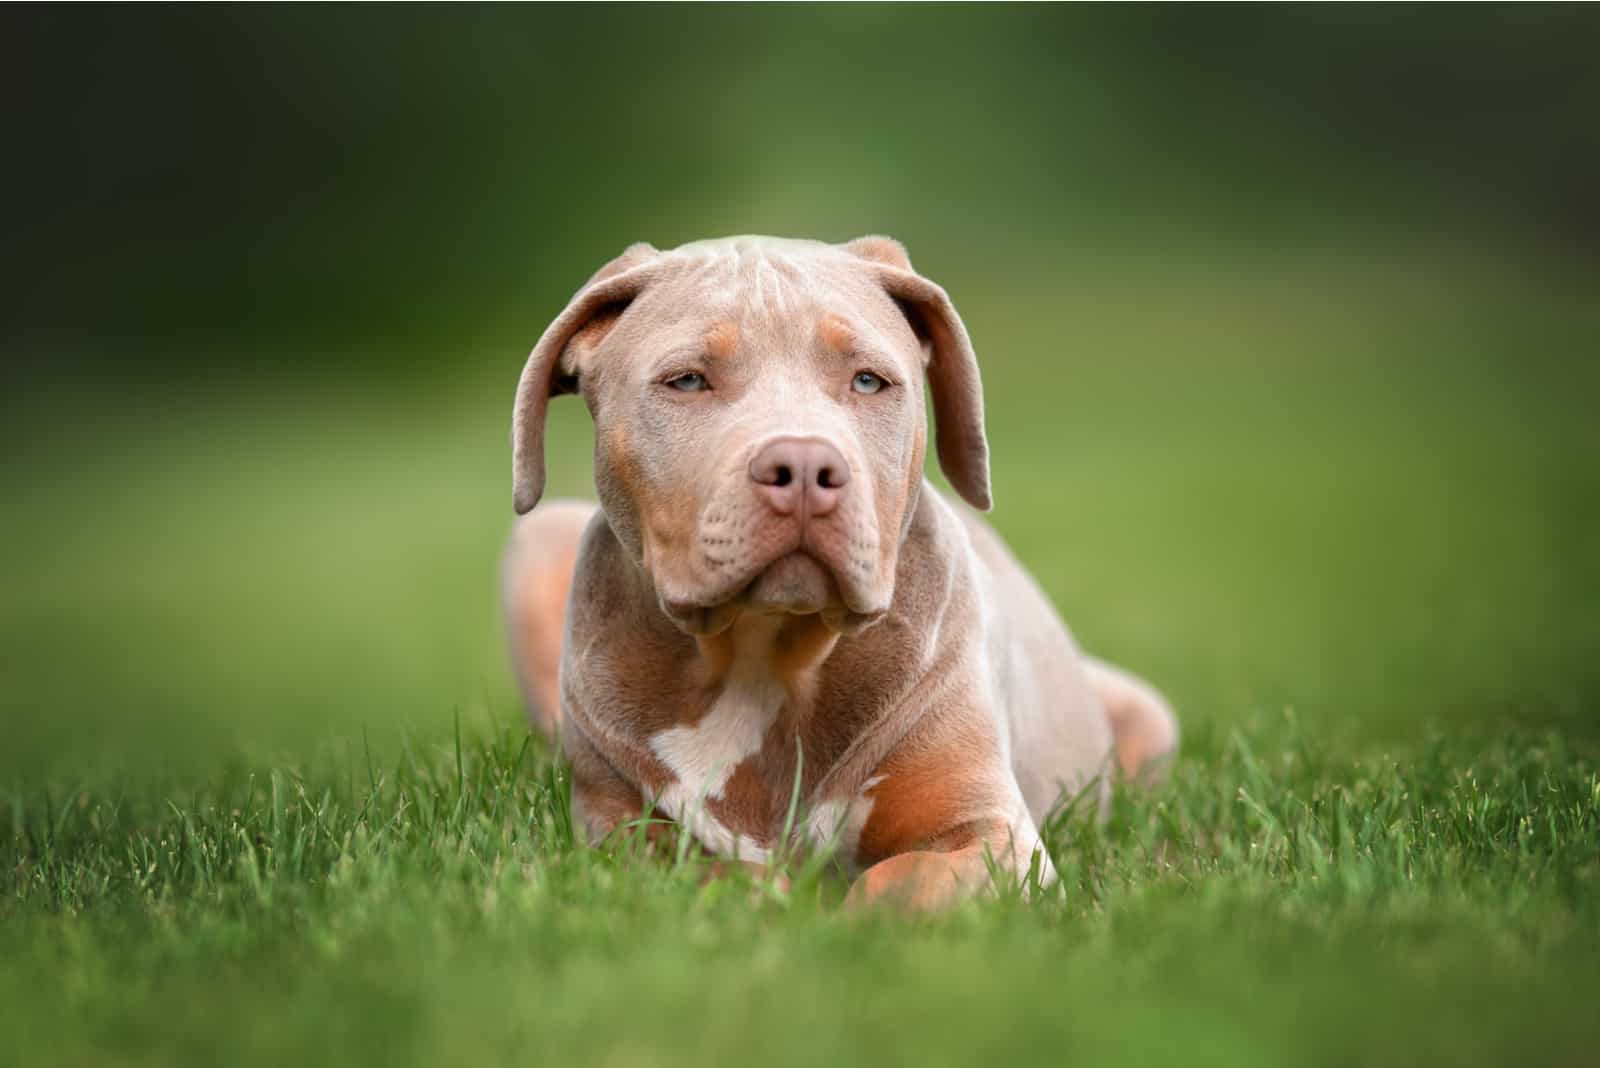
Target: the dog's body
pixel 770 588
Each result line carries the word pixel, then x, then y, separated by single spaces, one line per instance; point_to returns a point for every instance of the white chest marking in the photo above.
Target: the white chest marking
pixel 703 757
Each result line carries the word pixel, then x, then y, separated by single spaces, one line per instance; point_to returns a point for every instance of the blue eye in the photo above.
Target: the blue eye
pixel 689 383
pixel 867 382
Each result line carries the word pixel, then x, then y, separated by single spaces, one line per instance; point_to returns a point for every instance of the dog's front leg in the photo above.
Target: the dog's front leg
pixel 944 809
pixel 602 800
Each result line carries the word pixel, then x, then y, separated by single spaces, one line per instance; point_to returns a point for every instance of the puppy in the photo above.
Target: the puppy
pixel 770 589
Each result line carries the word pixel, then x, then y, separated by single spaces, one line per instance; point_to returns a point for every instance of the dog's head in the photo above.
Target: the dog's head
pixel 759 419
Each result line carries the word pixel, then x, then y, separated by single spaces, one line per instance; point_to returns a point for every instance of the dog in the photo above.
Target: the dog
pixel 771 601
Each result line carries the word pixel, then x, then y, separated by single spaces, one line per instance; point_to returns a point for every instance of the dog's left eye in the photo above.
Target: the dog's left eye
pixel 867 382
pixel 689 383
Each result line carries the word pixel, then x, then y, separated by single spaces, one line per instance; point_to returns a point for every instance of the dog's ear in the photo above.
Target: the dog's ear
pixel 551 367
pixel 952 367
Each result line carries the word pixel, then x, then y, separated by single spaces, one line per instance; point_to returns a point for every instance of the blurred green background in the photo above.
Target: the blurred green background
pixel 1287 318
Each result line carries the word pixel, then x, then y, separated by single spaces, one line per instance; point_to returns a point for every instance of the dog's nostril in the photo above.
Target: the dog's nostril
pixel 799 474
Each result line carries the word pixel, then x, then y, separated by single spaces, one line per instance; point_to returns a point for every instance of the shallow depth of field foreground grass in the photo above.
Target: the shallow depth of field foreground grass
pixel 265 797
pixel 1270 907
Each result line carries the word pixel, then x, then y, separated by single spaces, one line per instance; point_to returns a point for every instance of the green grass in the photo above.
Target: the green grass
pixel 265 796
pixel 1269 907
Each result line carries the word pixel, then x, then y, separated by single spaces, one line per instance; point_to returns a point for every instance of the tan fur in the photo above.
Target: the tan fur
pixel 722 340
pixel 882 249
pixel 536 576
pixel 934 794
pixel 935 708
pixel 922 881
pixel 835 333
pixel 1145 728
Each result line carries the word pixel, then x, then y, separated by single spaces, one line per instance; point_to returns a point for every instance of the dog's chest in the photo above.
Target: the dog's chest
pixel 721 764
pixel 734 775
pixel 704 755
pixel 732 770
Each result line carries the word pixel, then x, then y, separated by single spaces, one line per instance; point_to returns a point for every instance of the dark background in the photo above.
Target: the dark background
pixel 401 180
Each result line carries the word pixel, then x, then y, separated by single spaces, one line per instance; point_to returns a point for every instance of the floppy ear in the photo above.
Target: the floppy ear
pixel 952 367
pixel 592 313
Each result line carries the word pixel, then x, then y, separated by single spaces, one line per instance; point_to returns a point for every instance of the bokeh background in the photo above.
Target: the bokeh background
pixel 1288 319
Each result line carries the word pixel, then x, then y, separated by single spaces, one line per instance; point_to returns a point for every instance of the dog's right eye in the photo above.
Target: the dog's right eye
pixel 689 383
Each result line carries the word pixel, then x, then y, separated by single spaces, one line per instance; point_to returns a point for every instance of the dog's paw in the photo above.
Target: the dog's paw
pixel 917 882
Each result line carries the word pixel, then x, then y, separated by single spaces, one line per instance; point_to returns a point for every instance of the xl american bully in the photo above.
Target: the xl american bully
pixel 769 586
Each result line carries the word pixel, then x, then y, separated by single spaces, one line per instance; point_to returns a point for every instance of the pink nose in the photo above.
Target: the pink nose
pixel 799 476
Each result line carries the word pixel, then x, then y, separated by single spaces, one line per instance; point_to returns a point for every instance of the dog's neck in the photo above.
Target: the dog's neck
pixel 782 647
pixel 804 658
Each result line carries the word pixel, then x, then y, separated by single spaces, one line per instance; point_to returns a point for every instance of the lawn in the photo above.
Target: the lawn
pixel 266 797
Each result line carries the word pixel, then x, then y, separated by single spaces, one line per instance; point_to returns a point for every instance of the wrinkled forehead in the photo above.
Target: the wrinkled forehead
pixel 745 291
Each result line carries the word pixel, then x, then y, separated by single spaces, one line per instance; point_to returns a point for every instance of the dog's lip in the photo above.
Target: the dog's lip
pixel 798 567
pixel 846 613
pixel 703 620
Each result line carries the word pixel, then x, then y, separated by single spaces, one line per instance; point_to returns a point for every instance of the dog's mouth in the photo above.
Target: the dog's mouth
pixel 794 584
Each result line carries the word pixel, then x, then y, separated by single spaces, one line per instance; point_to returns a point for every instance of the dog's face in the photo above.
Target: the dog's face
pixel 759 419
